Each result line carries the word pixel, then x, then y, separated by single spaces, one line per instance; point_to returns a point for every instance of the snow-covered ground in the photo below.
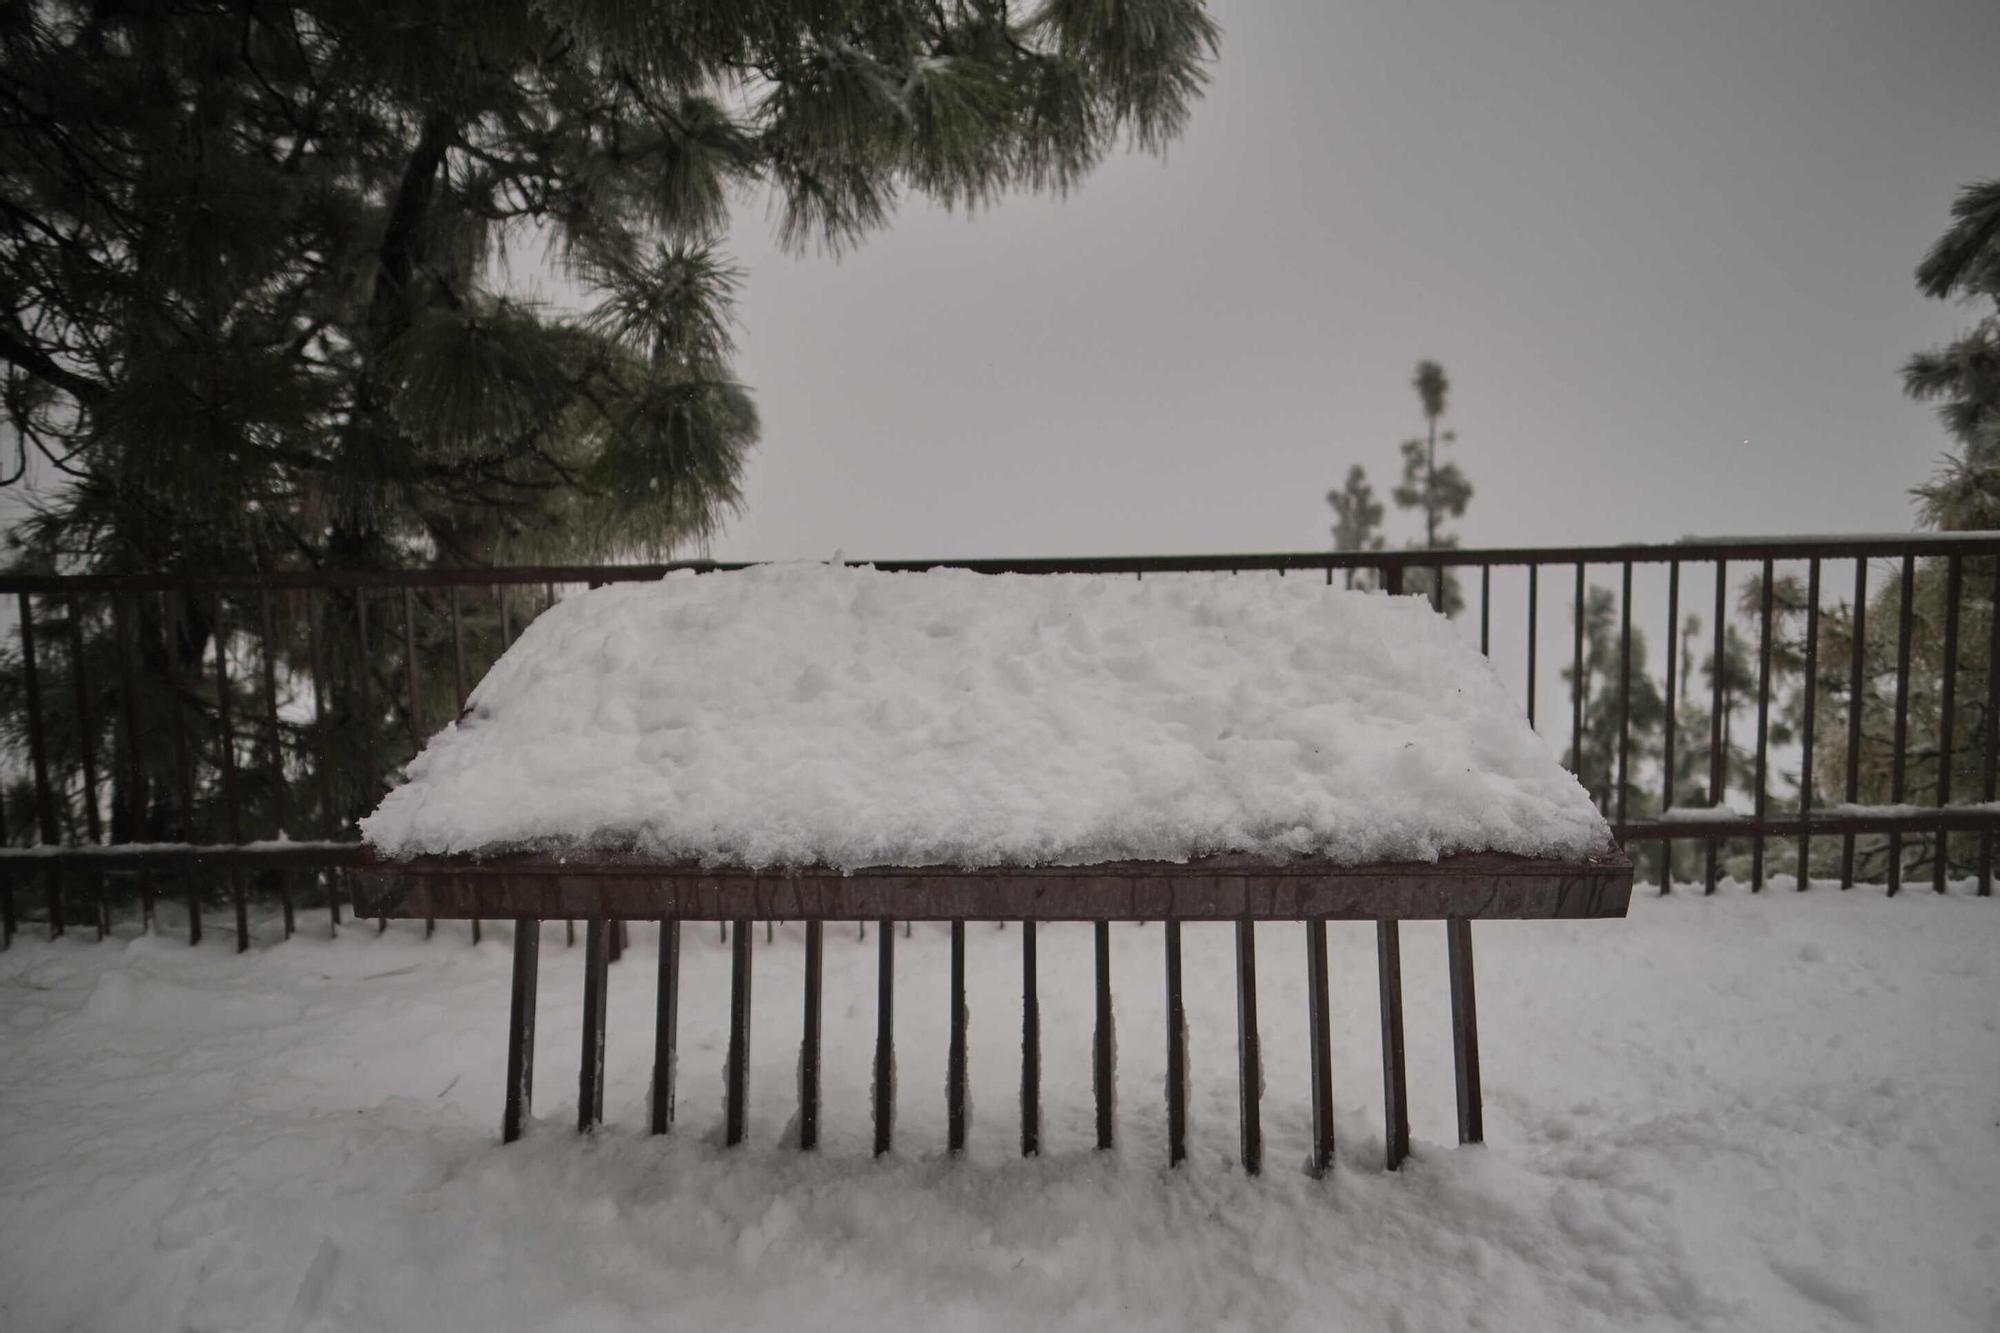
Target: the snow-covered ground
pixel 1763 1113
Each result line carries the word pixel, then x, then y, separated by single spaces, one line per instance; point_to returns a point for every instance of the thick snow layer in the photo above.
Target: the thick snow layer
pixel 798 714
pixel 1758 1114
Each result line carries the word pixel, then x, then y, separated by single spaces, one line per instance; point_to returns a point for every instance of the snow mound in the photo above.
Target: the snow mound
pixel 800 714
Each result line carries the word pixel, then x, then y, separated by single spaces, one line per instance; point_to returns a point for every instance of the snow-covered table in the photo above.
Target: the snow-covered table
pixel 814 743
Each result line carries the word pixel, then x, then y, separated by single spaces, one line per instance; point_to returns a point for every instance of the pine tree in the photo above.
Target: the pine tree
pixel 260 313
pixel 1436 492
pixel 1924 705
pixel 1963 377
pixel 1357 519
pixel 1596 761
pixel 257 313
pixel 1695 750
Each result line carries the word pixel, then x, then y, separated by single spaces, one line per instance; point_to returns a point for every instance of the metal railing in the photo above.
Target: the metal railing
pixel 191 734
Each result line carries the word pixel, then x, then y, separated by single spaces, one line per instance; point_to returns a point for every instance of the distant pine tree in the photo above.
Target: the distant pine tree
pixel 1596 762
pixel 1437 492
pixel 1357 520
pixel 1694 735
pixel 1963 377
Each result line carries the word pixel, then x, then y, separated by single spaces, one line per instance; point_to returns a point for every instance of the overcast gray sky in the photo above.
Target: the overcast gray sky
pixel 1663 249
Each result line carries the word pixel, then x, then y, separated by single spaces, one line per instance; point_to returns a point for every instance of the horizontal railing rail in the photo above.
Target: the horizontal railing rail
pixel 1688 550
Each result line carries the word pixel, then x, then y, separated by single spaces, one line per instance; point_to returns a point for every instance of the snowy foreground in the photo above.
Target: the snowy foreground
pixel 1734 1113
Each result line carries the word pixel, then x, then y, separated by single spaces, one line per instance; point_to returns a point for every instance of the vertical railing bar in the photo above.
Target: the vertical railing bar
pixel 1856 685
pixel 1486 610
pixel 170 609
pixel 274 737
pixel 366 685
pixel 569 924
pixel 414 717
pixel 1624 684
pixel 1761 797
pixel 458 682
pixel 809 1041
pixel 520 1026
pixel 1905 622
pixel 45 801
pixel 1465 1031
pixel 1954 588
pixel 1319 1025
pixel 1249 1050
pixel 457 651
pixel 884 1092
pixel 86 749
pixel 1810 728
pixel 1395 1093
pixel 124 612
pixel 506 638
pixel 738 1067
pixel 328 819
pixel 1103 1041
pixel 7 922
pixel 1177 1049
pixel 1576 681
pixel 954 1078
pixel 1718 771
pixel 590 1077
pixel 86 744
pixel 1534 579
pixel 616 948
pixel 1031 1047
pixel 370 774
pixel 1989 759
pixel 1670 739
pixel 666 1028
pixel 225 742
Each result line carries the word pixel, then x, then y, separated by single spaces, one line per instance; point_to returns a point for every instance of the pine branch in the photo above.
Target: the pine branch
pixel 16 347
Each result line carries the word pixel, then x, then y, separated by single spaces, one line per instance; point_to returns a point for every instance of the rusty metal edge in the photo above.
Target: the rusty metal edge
pixel 624 885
